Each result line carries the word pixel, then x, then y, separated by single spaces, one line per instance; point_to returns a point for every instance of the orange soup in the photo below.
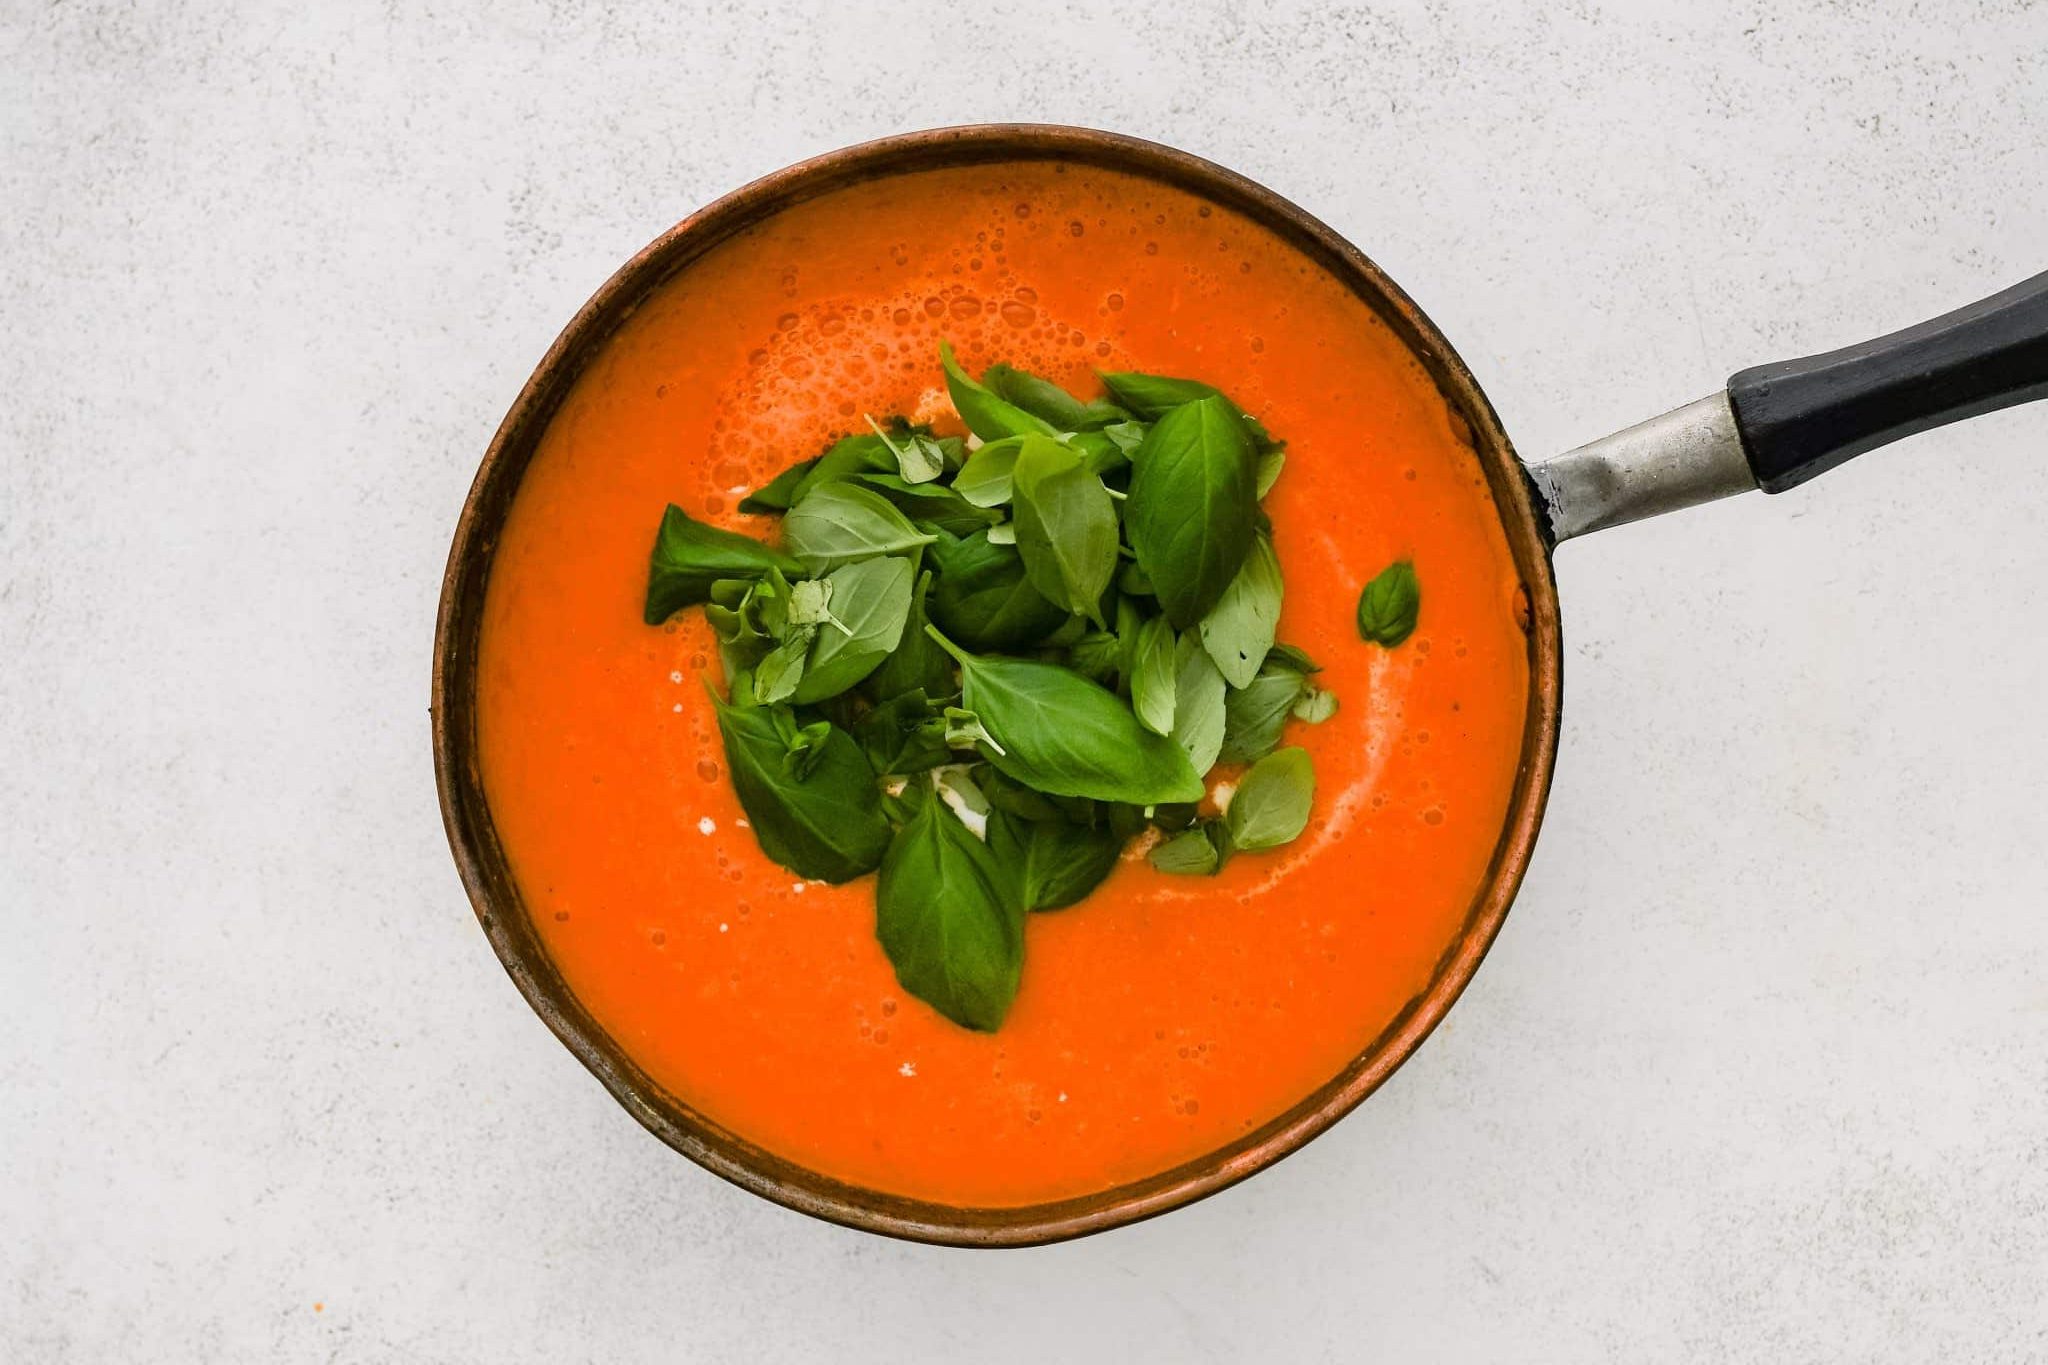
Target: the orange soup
pixel 1161 1018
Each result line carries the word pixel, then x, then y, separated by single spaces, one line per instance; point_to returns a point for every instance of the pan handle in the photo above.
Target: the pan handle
pixel 1776 426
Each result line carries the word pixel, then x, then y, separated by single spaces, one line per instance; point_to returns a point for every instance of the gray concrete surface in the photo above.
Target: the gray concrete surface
pixel 1759 1068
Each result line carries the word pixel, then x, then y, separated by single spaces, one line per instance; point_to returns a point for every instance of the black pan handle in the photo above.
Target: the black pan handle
pixel 1799 418
pixel 1776 426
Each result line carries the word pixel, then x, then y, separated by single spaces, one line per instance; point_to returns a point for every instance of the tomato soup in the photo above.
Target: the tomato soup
pixel 1162 1017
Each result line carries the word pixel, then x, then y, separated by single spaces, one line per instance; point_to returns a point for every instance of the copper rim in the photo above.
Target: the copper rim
pixel 482 862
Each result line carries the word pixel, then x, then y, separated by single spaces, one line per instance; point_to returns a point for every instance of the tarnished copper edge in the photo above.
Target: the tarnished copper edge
pixel 494 895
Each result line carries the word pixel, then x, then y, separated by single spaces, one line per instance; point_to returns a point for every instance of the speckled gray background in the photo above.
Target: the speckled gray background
pixel 1759 1068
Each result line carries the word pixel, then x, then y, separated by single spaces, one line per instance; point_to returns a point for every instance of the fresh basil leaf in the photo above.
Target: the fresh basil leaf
pixel 1238 631
pixel 866 453
pixel 917 663
pixel 930 506
pixel 1003 533
pixel 1070 630
pixel 803 745
pixel 779 492
pixel 1099 655
pixel 870 601
pixel 987 416
pixel 1316 706
pixel 1044 399
pixel 1389 605
pixel 955 939
pixel 1190 511
pixel 1254 715
pixel 1066 527
pixel 985 480
pixel 781 669
pixel 903 735
pixel 919 458
pixel 1291 656
pixel 1271 804
pixel 1005 793
pixel 1067 736
pixel 1270 465
pixel 829 825
pixel 843 523
pixel 1050 864
pixel 690 556
pixel 981 597
pixel 1153 396
pixel 1198 694
pixel 1187 854
pixel 1126 436
pixel 1153 668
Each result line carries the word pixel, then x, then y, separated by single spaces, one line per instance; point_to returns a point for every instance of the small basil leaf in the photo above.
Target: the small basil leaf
pixel 803 745
pixel 917 663
pixel 779 492
pixel 829 825
pixel 1270 465
pixel 1044 399
pixel 985 480
pixel 1271 804
pixel 1067 736
pixel 987 416
pixel 1004 533
pixel 981 597
pixel 1389 605
pixel 964 730
pixel 782 668
pixel 955 939
pixel 1100 454
pixel 1198 697
pixel 930 506
pixel 1066 526
pixel 1134 580
pixel 690 556
pixel 1315 706
pixel 863 454
pixel 903 735
pixel 1050 864
pixel 1254 715
pixel 1127 436
pixel 1238 631
pixel 870 601
pixel 1189 516
pixel 1153 668
pixel 1187 854
pixel 1154 395
pixel 843 523
pixel 919 458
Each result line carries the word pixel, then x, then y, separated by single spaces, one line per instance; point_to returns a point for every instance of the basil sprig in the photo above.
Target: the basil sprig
pixel 986 673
